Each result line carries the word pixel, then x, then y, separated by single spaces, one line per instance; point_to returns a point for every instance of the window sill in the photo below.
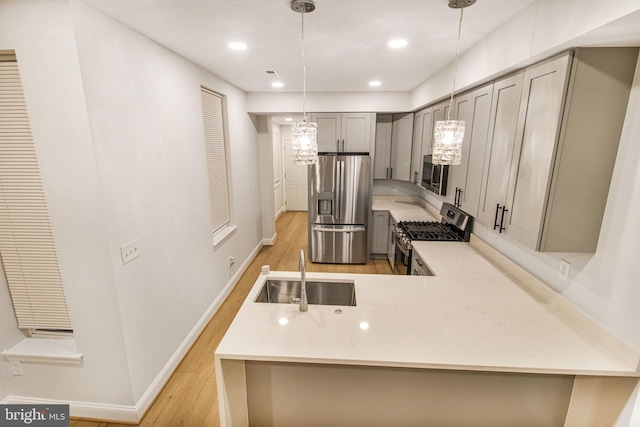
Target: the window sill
pixel 221 236
pixel 45 350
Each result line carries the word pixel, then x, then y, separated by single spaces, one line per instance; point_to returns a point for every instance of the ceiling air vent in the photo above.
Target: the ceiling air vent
pixel 272 73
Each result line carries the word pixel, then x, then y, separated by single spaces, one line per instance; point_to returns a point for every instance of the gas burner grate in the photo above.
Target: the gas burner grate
pixel 428 231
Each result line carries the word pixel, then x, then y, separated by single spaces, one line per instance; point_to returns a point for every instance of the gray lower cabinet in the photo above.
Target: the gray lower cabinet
pixel 379 244
pixel 391 244
pixel 548 170
pixel 465 179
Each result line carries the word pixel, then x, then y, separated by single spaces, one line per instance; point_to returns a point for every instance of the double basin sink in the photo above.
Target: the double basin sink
pixel 285 291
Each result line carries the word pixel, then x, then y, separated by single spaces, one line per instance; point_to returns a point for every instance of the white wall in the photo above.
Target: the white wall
pixel 265 103
pixel 117 123
pixel 42 36
pixel 145 114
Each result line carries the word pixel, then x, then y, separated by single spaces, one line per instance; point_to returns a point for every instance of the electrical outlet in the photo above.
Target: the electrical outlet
pixel 16 367
pixel 129 251
pixel 563 272
pixel 232 261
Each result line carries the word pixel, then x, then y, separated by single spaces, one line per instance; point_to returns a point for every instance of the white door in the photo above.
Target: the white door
pixel 295 181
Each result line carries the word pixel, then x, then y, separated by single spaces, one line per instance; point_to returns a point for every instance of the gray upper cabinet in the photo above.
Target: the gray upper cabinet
pixel 474 108
pixel 401 146
pixel 539 121
pixel 499 151
pixel 423 127
pixel 344 132
pixel 393 146
pixel 546 184
pixel 382 160
pixel 422 124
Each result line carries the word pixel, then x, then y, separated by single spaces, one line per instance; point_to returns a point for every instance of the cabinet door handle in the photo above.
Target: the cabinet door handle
pixel 415 177
pixel 338 145
pixel 391 173
pixel 495 219
pixel 502 227
pixel 460 197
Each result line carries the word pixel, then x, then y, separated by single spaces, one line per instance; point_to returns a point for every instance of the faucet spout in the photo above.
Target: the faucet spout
pixel 304 306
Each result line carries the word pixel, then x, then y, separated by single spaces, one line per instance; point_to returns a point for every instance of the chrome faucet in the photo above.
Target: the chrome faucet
pixel 304 306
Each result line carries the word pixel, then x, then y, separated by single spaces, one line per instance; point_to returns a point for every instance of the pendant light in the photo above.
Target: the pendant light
pixel 304 147
pixel 448 135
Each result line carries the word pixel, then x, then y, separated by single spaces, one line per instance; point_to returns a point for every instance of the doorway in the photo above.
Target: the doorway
pixel 295 181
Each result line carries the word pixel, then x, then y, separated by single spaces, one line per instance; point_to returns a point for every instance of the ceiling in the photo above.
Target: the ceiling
pixel 345 40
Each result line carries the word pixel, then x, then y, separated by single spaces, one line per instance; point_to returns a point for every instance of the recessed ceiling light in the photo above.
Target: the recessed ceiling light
pixel 237 46
pixel 398 43
pixel 375 83
pixel 288 119
pixel 277 84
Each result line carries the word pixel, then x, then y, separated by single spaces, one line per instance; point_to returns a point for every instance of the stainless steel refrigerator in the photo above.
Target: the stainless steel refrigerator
pixel 339 201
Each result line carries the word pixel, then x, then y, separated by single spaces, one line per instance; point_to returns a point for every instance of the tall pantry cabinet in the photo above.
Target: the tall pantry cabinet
pixel 553 139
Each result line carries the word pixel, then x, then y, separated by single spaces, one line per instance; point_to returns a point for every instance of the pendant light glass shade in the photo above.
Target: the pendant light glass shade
pixel 447 146
pixel 304 147
pixel 448 134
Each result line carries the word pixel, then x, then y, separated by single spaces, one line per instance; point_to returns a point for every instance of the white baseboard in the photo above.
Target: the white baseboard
pixel 134 414
pixel 271 241
pixel 165 374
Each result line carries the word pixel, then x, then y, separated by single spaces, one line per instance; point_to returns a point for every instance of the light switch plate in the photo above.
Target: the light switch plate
pixel 16 367
pixel 563 272
pixel 130 251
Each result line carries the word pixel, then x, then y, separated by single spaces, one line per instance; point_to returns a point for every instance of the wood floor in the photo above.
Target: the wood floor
pixel 190 397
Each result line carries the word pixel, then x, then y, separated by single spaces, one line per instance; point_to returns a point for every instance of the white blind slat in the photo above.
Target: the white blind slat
pixel 212 108
pixel 27 247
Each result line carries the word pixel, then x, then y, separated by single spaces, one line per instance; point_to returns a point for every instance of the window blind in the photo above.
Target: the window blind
pixel 26 240
pixel 212 107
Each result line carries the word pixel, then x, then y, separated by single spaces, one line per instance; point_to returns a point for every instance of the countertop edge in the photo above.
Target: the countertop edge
pixel 434 366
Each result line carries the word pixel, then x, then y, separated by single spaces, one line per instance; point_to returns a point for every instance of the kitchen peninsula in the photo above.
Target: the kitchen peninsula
pixel 477 342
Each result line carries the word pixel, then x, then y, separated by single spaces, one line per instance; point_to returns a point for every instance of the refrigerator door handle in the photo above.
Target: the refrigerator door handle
pixel 352 229
pixel 339 187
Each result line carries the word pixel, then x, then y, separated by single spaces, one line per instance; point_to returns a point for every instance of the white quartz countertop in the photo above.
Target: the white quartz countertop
pixel 403 209
pixel 470 316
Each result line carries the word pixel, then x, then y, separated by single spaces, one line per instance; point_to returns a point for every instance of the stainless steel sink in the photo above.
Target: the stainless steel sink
pixel 322 293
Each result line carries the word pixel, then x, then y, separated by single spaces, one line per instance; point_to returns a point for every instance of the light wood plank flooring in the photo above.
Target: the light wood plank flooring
pixel 189 397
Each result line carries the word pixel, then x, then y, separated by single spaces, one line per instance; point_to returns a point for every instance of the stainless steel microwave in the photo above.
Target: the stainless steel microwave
pixel 434 177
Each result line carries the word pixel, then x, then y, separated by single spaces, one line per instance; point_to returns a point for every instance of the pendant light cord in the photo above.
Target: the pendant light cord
pixel 304 75
pixel 455 67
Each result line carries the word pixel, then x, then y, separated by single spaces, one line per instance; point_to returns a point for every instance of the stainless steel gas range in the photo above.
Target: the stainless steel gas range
pixel 454 227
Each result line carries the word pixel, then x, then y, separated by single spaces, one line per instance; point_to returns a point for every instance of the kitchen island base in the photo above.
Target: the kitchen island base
pixel 293 394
